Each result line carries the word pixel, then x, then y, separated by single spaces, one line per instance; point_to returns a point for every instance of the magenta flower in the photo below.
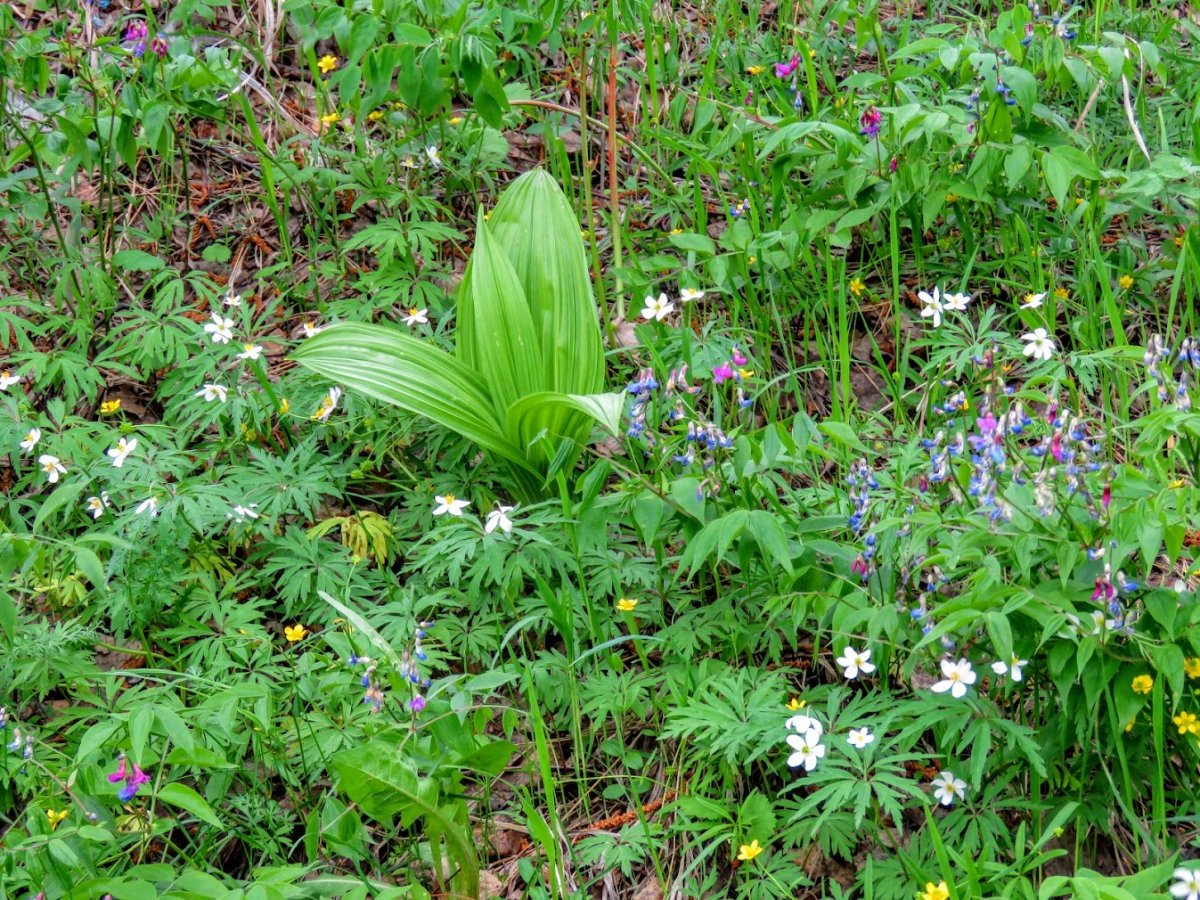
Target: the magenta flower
pixel 870 122
pixel 738 359
pixel 133 780
pixel 417 703
pixel 118 775
pixel 785 70
pixel 136 30
pixel 1106 496
pixel 722 373
pixel 158 46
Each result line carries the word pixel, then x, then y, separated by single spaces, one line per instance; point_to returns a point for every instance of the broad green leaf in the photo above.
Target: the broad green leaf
pixel 407 372
pixel 495 331
pixel 187 799
pixel 540 413
pixel 362 625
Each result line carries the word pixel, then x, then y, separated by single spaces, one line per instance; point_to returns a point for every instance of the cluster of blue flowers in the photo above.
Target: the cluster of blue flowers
pixel 21 742
pixel 1160 361
pixel 410 669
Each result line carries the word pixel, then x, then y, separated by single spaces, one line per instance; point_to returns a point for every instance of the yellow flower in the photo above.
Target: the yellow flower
pixel 1186 723
pixel 1191 667
pixel 1179 240
pixel 747 852
pixel 295 633
pixel 755 70
pixel 108 407
pixel 857 286
pixel 1126 282
pixel 952 197
pixel 327 64
pixel 1129 724
pixel 456 120
pixel 796 704
pixel 933 891
pixel 752 260
pixel 375 115
pixel 1143 684
pixel 676 231
pixel 626 605
pixel 812 54
pixel 330 118
pixel 55 817
pixel 1062 293
pixel 746 373
pixel 284 406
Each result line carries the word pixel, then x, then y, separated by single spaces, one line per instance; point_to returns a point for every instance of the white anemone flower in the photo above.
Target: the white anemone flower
pixel 328 404
pixel 149 505
pixel 8 379
pixel 948 788
pixel 687 295
pixel 251 352
pixel 211 392
pixel 233 300
pixel 854 662
pixel 52 467
pixel 243 513
pixel 97 505
pixel 803 724
pixel 416 317
pixel 807 749
pixel 932 306
pixel 956 302
pixel 448 504
pixel 310 329
pixel 431 153
pixel 121 452
pixel 657 308
pixel 1032 301
pixel 1038 344
pixel 1012 669
pixel 31 439
pixel 956 678
pixel 221 329
pixel 1187 884
pixel 859 737
pixel 498 518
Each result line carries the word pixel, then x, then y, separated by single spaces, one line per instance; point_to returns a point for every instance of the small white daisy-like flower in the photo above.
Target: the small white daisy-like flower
pixel 310 328
pixel 807 750
pixel 221 329
pixel 859 737
pixel 431 153
pixel 121 452
pixel 211 392
pixel 328 404
pixel 956 302
pixel 1011 669
pixel 251 352
pixel 1032 301
pixel 149 505
pixel 947 788
pixel 448 504
pixel 52 466
pixel 7 379
pixel 956 678
pixel 855 661
pixel 1038 344
pixel 498 518
pixel 687 295
pixel 233 300
pixel 803 724
pixel 1187 884
pixel 416 317
pixel 97 505
pixel 31 439
pixel 243 513
pixel 931 306
pixel 657 308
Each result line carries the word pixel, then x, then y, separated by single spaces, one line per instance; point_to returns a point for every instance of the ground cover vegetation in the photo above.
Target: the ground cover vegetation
pixel 599 449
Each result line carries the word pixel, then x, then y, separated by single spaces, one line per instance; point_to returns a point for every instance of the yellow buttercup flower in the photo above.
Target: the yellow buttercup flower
pixel 747 852
pixel 284 406
pixel 295 633
pixel 327 63
pixel 54 817
pixel 1191 667
pixel 1062 293
pixel 108 407
pixel 1143 684
pixel 375 115
pixel 796 704
pixel 456 120
pixel 626 605
pixel 330 118
pixel 755 70
pixel 1126 282
pixel 746 373
pixel 952 197
pixel 933 891
pixel 1186 723
pixel 1129 725
pixel 857 286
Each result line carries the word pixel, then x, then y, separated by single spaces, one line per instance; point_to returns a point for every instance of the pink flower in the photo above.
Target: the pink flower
pixel 722 373
pixel 118 775
pixel 417 703
pixel 738 359
pixel 870 122
pixel 785 70
pixel 1106 496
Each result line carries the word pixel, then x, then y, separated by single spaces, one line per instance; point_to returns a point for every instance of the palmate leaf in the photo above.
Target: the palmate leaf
pixel 402 370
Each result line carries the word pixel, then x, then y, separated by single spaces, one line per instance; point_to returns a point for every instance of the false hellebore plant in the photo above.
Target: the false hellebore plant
pixel 524 379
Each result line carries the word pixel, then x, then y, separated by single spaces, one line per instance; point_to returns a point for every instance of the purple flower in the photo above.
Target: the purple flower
pixel 158 46
pixel 133 780
pixel 722 373
pixel 118 775
pixel 870 122
pixel 136 31
pixel 417 703
pixel 738 359
pixel 785 70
